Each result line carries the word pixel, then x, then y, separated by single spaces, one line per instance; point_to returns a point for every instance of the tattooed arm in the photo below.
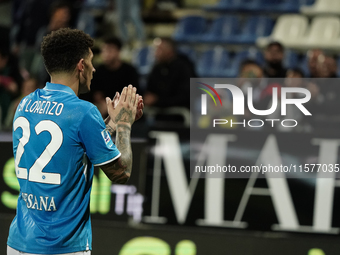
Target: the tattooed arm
pixel 119 171
pixel 123 115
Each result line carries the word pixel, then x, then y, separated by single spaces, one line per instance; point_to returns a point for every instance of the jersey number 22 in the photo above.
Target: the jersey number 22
pixel 35 173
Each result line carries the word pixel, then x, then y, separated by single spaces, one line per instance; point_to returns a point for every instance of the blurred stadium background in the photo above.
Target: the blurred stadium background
pixel 162 210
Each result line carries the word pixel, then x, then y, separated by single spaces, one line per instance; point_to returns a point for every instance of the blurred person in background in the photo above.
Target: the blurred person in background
pixel 326 67
pixel 60 17
pixel 251 75
pixel 28 86
pixel 130 11
pixel 314 56
pixel 27 18
pixel 328 102
pixel 112 75
pixel 10 80
pixel 325 91
pixel 274 55
pixel 294 78
pixel 168 84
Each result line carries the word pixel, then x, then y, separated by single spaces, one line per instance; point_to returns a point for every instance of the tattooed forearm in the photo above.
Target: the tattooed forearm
pixel 123 143
pixel 120 170
pixel 124 116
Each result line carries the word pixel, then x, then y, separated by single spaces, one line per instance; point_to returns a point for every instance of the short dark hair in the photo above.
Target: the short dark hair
pixel 62 49
pixel 114 41
pixel 277 44
pixel 248 62
pixel 298 71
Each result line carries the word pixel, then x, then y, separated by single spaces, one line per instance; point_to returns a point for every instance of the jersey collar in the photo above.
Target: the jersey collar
pixel 58 87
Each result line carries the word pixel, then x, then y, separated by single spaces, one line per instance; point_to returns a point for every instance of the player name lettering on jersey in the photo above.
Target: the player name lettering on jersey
pixel 41 107
pixel 41 203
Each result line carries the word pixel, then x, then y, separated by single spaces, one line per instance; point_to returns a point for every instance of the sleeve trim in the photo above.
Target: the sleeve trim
pixel 109 161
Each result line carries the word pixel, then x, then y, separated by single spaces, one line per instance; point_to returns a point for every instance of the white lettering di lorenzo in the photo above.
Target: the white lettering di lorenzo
pixel 42 107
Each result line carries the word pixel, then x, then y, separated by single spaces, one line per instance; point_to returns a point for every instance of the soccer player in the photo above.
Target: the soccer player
pixel 57 139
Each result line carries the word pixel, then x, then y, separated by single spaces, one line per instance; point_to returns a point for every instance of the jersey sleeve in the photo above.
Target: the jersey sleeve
pixel 96 139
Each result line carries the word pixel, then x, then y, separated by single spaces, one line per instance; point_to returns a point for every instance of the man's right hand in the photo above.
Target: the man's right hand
pixel 125 110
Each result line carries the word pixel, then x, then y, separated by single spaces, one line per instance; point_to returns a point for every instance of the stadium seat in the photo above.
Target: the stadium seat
pixel 324 33
pixel 261 5
pixel 190 29
pixel 222 30
pixel 239 57
pixel 288 29
pixel 226 6
pixel 213 63
pixel 143 59
pixel 291 6
pixel 322 7
pixel 255 26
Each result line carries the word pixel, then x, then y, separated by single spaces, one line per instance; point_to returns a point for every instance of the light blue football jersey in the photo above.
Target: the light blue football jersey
pixel 57 139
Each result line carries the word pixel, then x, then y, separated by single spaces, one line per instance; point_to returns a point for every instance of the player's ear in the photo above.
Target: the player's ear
pixel 81 65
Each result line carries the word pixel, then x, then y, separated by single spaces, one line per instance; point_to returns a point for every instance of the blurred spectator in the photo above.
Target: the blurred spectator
pixel 326 67
pixel 295 73
pixel 28 86
pixel 327 91
pixel 10 80
pixel 274 54
pixel 60 17
pixel 28 17
pixel 169 81
pixel 314 57
pixel 294 78
pixel 113 75
pixel 250 69
pixel 251 75
pixel 130 10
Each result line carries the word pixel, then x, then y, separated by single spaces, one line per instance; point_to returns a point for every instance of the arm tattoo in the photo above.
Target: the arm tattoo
pixel 120 170
pixel 124 116
pixel 123 143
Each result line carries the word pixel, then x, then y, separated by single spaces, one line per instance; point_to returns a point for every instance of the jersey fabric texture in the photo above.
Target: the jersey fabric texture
pixel 57 139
